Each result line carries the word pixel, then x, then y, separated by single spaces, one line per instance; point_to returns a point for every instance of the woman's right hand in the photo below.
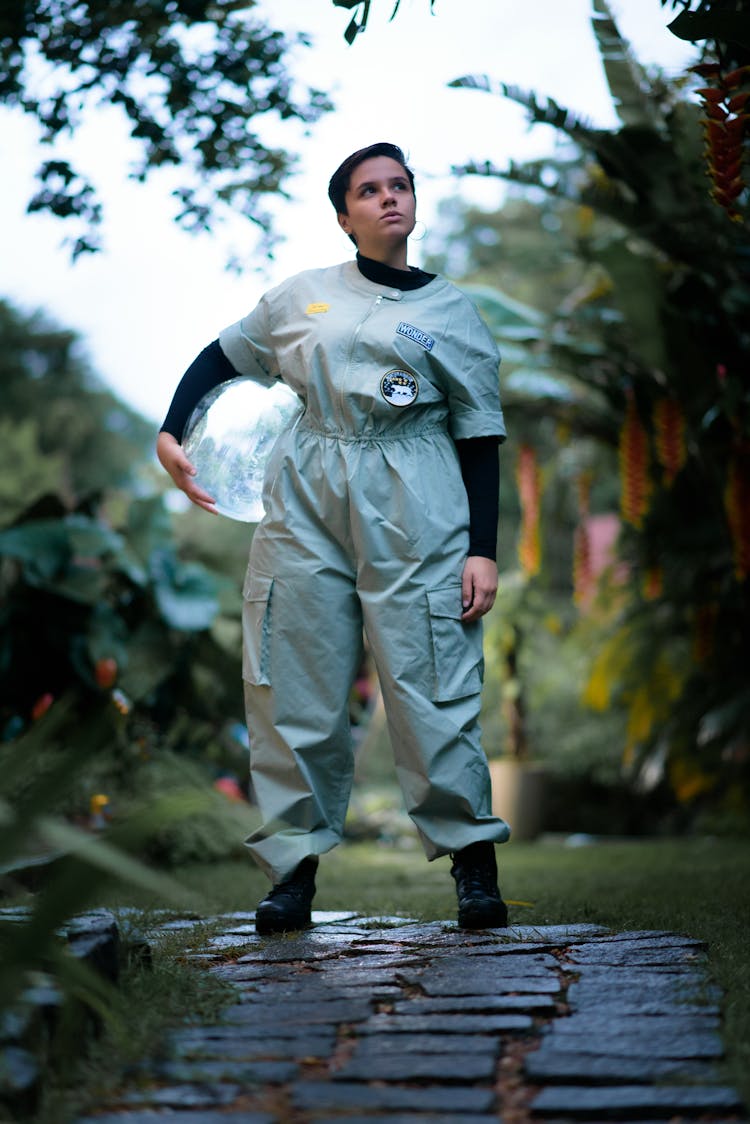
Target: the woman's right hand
pixel 173 459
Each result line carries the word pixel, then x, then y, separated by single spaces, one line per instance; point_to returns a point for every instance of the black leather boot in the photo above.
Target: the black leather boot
pixel 479 903
pixel 287 906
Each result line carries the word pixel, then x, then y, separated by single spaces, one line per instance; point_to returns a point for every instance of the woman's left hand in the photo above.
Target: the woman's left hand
pixel 478 587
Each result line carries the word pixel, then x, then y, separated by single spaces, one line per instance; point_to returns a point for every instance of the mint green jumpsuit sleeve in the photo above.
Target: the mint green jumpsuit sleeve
pixel 365 527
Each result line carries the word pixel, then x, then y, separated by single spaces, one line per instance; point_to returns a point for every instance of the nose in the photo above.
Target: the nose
pixel 389 198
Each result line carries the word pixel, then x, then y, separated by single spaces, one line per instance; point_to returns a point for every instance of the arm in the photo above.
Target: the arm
pixel 210 369
pixel 479 468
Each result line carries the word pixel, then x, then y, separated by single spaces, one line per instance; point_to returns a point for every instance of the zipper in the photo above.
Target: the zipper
pixel 355 338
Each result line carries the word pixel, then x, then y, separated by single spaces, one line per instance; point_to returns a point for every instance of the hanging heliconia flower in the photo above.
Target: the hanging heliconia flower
pixel 737 505
pixel 669 431
pixel 583 575
pixel 635 480
pixel 653 582
pixel 529 479
pixel 726 114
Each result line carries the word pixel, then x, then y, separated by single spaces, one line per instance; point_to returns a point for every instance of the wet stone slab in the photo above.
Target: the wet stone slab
pixel 463 1069
pixel 562 1066
pixel 446 1024
pixel 380 1045
pixel 469 1004
pixel 226 1069
pixel 298 1048
pixel 148 1116
pixel 408 1118
pixel 298 1014
pixel 314 1095
pixel 633 1101
pixel 192 1095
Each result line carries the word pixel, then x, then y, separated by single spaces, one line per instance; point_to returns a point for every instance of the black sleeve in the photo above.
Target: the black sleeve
pixel 207 371
pixel 481 475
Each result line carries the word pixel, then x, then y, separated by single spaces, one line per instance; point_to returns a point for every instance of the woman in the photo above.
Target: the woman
pixel 380 511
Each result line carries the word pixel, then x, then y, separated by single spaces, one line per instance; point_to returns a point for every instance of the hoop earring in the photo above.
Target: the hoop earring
pixel 418 237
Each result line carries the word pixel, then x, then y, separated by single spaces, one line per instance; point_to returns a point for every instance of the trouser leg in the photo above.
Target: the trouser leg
pixel 429 666
pixel 302 649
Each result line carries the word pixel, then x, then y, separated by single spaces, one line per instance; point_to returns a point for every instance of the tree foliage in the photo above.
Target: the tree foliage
pixel 65 434
pixel 361 10
pixel 196 81
pixel 657 337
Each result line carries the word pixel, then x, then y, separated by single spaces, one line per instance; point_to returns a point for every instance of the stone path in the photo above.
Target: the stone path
pixel 386 1019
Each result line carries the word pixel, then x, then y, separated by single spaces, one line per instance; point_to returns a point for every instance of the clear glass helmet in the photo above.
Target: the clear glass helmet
pixel 229 437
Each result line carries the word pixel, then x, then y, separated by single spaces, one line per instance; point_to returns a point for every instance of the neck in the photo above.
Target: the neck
pixel 394 257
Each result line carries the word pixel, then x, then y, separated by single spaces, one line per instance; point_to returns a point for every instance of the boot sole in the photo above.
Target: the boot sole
pixel 486 919
pixel 266 926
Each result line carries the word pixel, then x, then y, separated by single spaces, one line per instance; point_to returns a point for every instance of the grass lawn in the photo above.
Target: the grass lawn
pixel 696 886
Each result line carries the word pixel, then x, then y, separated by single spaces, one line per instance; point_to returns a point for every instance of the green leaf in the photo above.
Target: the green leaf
pixel 185 592
pixel 727 27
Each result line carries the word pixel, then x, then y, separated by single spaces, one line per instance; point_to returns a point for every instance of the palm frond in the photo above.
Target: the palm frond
pixel 628 82
pixel 544 111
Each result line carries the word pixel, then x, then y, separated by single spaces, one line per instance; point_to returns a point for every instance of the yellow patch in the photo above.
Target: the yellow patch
pixel 317 306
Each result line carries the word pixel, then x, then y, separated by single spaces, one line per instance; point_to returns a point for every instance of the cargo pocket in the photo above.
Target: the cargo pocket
pixel 256 629
pixel 456 647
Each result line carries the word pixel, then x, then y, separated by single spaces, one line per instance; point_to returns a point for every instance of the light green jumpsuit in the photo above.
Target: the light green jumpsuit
pixel 366 524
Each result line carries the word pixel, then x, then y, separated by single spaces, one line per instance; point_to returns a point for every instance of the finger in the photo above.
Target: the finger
pixel 467 590
pixel 199 495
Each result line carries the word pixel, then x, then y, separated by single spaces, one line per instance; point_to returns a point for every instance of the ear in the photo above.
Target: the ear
pixel 344 223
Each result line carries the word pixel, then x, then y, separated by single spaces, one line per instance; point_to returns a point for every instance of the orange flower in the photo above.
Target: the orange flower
pixel 725 126
pixel 653 582
pixel 635 481
pixel 669 427
pixel 529 480
pixel 737 506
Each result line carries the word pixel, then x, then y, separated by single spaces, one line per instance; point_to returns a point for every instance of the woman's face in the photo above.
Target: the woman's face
pixel 380 207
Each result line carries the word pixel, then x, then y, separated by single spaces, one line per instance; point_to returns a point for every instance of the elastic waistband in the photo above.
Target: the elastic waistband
pixel 371 438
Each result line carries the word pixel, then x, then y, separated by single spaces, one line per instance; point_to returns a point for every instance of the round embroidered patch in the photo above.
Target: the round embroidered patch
pixel 399 388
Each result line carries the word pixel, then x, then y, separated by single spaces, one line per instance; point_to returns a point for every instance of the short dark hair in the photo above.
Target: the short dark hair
pixel 341 178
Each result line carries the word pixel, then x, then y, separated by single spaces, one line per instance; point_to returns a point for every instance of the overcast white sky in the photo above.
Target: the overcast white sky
pixel 156 296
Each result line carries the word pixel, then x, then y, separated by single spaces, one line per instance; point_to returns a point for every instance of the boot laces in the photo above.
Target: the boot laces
pixel 298 885
pixel 477 878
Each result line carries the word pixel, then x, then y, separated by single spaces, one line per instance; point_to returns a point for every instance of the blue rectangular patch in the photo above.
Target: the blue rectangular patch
pixel 412 333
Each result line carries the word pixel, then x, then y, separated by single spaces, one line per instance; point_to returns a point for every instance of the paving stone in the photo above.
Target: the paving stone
pixel 549 1064
pixel 298 1014
pixel 379 1045
pixel 615 991
pixel 555 934
pixel 617 953
pixel 462 1070
pixel 298 1048
pixel 312 1095
pixel 229 940
pixel 446 1024
pixel 466 983
pixel 409 1118
pixel 656 1045
pixel 206 1095
pixel 148 1116
pixel 506 1004
pixel 226 1069
pixel 330 980
pixel 633 1101
pixel 243 973
pixel 495 965
pixel 606 1022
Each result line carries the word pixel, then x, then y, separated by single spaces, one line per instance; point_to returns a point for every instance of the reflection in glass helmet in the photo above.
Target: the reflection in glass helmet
pixel 229 439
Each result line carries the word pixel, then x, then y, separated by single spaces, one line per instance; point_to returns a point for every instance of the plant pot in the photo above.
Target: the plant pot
pixel 518 796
